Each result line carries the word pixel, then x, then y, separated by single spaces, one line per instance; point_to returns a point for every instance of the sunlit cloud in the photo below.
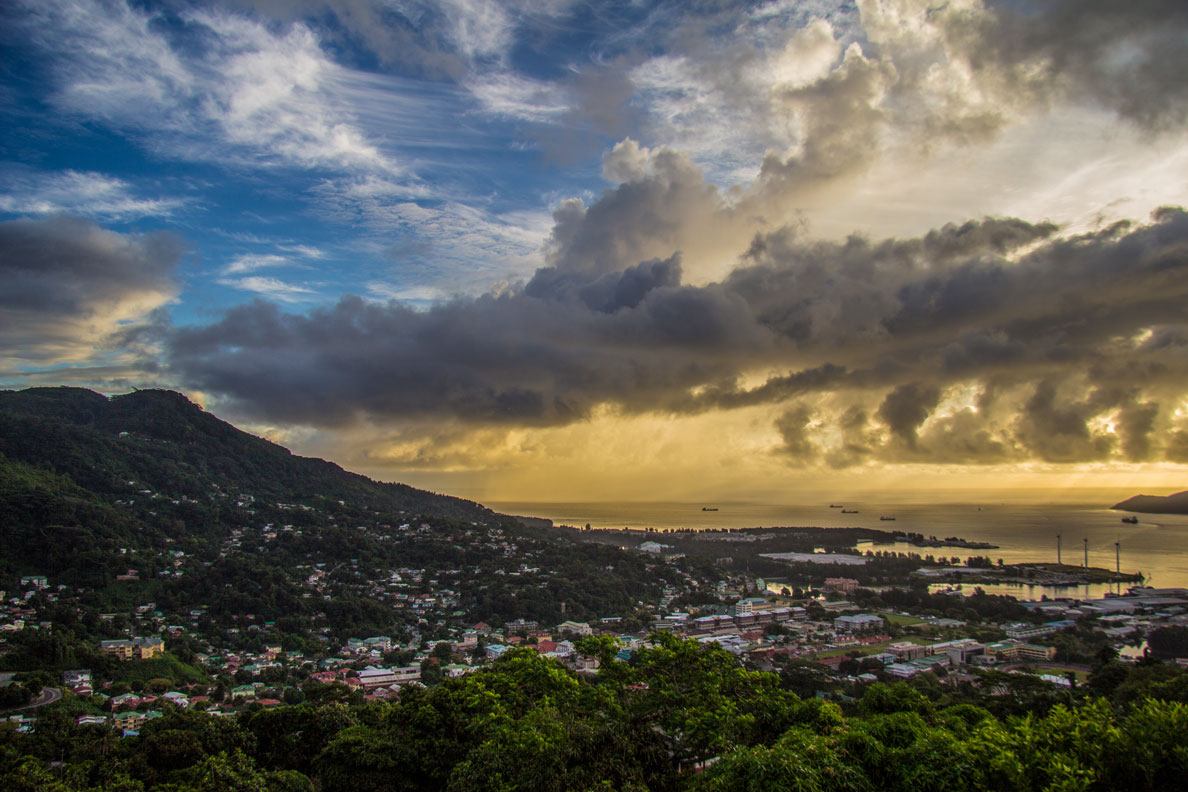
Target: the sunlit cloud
pixel 75 293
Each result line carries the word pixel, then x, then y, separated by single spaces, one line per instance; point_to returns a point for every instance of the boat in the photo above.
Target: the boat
pixel 835 506
pixel 1130 520
pixel 849 511
pixel 709 508
pixel 887 519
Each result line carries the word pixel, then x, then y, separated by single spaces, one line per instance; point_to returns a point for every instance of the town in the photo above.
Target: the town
pixel 210 657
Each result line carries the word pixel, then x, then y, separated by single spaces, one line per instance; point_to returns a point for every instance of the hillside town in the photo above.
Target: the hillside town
pixel 248 666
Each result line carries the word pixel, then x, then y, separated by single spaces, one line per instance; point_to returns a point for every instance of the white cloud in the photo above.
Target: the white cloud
pixel 79 192
pixel 271 287
pixel 520 98
pixel 478 28
pixel 249 262
pixel 459 249
pixel 244 92
pixel 305 251
pixel 423 295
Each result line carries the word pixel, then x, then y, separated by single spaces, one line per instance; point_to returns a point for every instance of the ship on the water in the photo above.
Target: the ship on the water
pixel 709 508
pixel 1130 520
pixel 887 519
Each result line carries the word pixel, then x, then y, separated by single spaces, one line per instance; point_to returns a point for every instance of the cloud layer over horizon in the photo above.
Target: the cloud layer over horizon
pixel 951 348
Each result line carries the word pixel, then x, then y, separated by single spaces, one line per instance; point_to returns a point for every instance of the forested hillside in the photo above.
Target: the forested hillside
pixel 146 498
pixel 82 474
pixel 678 716
pixel 163 442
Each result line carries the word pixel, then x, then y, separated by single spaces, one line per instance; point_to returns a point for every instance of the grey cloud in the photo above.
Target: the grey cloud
pixel 728 395
pixel 976 351
pixel 1168 338
pixel 1136 423
pixel 858 442
pixel 625 288
pixel 516 359
pixel 964 438
pixel 906 407
pixel 998 235
pixel 843 118
pixel 1128 56
pixel 640 219
pixel 1177 447
pixel 891 327
pixel 1055 428
pixel 797 443
pixel 66 283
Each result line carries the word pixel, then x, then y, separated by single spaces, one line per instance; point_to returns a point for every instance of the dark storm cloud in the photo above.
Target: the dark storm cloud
pixel 776 389
pixel 1136 422
pixel 642 218
pixel 793 426
pixel 65 283
pixel 1129 57
pixel 905 409
pixel 1058 431
pixel 975 351
pixel 610 292
pixel 898 321
pixel 1177 447
pixel 513 359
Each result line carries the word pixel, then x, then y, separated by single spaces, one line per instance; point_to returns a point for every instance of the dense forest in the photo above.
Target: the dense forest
pixel 678 715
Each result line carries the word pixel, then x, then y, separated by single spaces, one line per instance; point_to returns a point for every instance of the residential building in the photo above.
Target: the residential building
pixel 860 623
pixel 133 648
pixel 577 628
pixel 1013 651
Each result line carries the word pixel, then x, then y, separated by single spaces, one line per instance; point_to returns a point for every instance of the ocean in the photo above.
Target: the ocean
pixel 1157 546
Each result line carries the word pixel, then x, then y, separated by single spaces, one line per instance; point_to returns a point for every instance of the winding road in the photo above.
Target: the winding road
pixel 47 696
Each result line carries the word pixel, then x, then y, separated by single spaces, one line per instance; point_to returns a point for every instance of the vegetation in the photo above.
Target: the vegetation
pixel 151 516
pixel 677 716
pixel 146 498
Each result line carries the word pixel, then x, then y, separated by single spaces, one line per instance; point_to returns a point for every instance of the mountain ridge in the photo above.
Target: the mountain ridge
pixel 83 475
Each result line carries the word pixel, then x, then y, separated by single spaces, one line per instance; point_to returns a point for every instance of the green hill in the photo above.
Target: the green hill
pixel 83 474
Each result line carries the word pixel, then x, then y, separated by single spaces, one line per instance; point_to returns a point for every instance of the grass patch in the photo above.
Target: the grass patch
pixel 901 620
pixel 1082 676
pixel 164 667
pixel 868 649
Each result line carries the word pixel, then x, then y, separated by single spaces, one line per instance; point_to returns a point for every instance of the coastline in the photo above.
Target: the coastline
pixel 1157 546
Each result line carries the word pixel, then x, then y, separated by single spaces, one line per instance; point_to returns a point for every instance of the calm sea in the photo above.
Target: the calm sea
pixel 1157 546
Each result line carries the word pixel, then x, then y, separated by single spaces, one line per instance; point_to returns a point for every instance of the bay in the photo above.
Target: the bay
pixel 1157 546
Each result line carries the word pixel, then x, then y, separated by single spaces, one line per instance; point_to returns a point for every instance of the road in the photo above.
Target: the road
pixel 47 696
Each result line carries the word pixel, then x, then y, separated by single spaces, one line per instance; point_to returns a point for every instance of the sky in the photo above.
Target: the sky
pixel 565 250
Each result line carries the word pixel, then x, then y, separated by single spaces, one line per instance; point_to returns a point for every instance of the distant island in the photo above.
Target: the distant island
pixel 1155 504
